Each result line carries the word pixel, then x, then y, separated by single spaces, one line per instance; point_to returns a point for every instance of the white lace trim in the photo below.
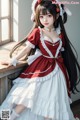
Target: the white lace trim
pixel 39 79
pixel 32 58
pixel 28 43
pixel 46 38
pixel 46 48
pixel 38 53
pixel 58 30
pixel 58 49
pixel 38 72
pixel 14 61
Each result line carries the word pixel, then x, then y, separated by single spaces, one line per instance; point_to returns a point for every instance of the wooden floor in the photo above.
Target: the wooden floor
pixel 76 108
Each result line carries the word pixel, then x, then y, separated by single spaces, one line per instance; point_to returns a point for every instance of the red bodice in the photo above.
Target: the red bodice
pixel 46 62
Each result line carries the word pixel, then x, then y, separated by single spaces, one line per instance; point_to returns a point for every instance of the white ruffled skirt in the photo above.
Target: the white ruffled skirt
pixel 43 97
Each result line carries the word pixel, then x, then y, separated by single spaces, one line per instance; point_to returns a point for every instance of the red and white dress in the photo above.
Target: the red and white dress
pixel 43 88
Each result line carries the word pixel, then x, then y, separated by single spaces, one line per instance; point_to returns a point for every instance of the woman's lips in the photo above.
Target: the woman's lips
pixel 46 23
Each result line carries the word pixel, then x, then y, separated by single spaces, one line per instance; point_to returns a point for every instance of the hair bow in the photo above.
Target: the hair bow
pixel 35 3
pixel 39 1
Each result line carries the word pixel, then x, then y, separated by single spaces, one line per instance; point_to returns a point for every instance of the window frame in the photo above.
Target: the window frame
pixel 9 17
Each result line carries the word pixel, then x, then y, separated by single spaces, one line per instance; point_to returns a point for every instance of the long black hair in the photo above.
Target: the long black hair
pixel 69 54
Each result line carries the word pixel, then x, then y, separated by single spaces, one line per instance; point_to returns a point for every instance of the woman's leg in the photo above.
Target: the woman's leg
pixel 16 111
pixel 19 108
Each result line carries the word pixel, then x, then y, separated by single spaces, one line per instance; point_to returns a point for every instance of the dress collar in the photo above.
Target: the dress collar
pixel 58 30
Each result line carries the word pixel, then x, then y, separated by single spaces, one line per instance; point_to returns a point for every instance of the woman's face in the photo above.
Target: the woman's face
pixel 46 20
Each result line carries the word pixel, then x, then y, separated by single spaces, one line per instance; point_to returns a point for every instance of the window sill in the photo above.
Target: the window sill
pixel 4 55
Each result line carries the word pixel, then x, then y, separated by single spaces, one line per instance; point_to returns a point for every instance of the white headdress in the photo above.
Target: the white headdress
pixel 34 5
pixel 36 2
pixel 61 10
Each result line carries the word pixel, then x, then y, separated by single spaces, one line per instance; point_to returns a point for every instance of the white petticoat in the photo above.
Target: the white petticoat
pixel 44 97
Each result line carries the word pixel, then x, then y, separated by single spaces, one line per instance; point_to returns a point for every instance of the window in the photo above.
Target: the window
pixel 5 21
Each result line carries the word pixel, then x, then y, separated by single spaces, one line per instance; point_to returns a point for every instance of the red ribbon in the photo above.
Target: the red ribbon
pixel 39 1
pixel 53 0
pixel 59 59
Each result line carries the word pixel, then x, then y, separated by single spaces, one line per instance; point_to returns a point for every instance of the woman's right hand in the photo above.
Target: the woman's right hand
pixel 7 63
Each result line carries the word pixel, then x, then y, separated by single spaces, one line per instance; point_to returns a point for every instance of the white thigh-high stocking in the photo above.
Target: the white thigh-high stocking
pixel 16 111
pixel 13 115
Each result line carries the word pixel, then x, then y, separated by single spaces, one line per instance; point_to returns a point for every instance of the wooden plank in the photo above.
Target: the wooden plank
pixel 3 88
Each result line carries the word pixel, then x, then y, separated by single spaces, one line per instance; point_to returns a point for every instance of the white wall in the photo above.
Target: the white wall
pixel 15 20
pixel 21 18
pixel 72 26
pixel 25 23
pixel 73 31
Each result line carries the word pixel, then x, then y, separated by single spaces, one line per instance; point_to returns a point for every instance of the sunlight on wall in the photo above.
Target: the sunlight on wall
pixel 15 20
pixel 4 21
pixel 4 8
pixel 5 29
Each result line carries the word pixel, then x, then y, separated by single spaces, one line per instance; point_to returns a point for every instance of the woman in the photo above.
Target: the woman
pixel 42 91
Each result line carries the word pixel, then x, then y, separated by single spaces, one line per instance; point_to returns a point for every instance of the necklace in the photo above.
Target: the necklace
pixel 49 29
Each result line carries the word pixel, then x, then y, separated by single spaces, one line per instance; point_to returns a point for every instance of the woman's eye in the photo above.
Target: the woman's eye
pixel 49 15
pixel 41 16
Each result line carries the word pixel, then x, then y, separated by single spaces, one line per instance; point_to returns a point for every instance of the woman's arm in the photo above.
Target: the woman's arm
pixel 13 61
pixel 25 51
